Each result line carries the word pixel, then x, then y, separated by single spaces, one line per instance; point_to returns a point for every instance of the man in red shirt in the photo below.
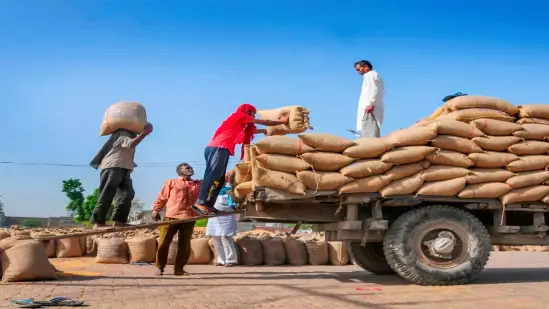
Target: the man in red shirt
pixel 238 128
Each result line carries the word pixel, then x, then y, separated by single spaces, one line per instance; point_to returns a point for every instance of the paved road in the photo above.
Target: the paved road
pixel 503 285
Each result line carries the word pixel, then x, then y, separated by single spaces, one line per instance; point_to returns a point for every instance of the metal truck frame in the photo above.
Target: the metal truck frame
pixel 427 240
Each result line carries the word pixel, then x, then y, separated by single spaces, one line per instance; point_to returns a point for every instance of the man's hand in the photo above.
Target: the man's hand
pixel 284 119
pixel 155 215
pixel 369 110
pixel 228 176
pixel 148 129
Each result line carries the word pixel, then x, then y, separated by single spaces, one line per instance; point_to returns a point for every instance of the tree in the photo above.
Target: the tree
pixel 75 192
pixel 136 209
pixel 89 204
pixel 31 223
pixel 1 206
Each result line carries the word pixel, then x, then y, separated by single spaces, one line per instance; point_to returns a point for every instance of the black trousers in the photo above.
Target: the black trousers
pixel 217 160
pixel 114 184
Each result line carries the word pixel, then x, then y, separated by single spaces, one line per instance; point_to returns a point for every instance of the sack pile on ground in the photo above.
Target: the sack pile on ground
pixel 472 147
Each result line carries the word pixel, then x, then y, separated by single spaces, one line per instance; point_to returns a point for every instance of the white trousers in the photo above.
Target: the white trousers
pixel 226 249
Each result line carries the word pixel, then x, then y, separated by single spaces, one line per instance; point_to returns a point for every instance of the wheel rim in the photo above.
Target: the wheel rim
pixel 430 233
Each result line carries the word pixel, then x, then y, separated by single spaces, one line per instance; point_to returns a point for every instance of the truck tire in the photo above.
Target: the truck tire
pixel 410 250
pixel 370 257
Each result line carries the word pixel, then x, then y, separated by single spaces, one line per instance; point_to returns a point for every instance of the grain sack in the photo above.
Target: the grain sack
pixel 448 157
pixel 443 172
pixel 326 161
pixel 91 246
pixel 281 145
pixel 496 127
pixel 477 101
pixel 496 143
pixel 368 148
pixel 455 143
pixel 491 159
pixel 200 251
pixel 443 188
pixel 458 128
pixel 408 185
pixel 482 175
pixel 247 153
pixel 48 244
pixel 278 180
pixel 273 251
pixel 365 168
pixel 251 250
pixel 438 112
pixel 243 172
pixel 326 142
pixel 112 251
pixel 484 190
pixel 214 253
pixel 338 253
pixel 529 148
pixel 471 114
pixel 323 181
pixel 527 179
pixel 318 253
pixel 533 131
pixel 423 123
pixel 11 241
pixel 533 120
pixel 25 262
pixel 4 234
pixel 243 189
pixel 406 155
pixel 130 116
pixel 82 243
pixel 407 170
pixel 68 247
pixel 413 136
pixel 366 185
pixel 282 163
pixel 142 249
pixel 298 120
pixel 528 163
pixel 534 111
pixel 21 232
pixel 296 252
pixel 526 194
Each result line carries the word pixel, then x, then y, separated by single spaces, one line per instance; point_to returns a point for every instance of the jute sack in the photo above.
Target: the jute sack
pixel 278 180
pixel 338 253
pixel 323 181
pixel 526 194
pixel 282 163
pixel 533 120
pixel 25 262
pixel 491 159
pixel 484 175
pixel 534 111
pixel 496 127
pixel 326 142
pixel 485 190
pixel 112 251
pixel 455 143
pixel 296 252
pixel 243 172
pixel 477 101
pixel 129 116
pixel 529 148
pixel 251 250
pixel 528 163
pixel 142 249
pixel 413 136
pixel 368 148
pixel 4 234
pixel 438 112
pixel 68 247
pixel 247 153
pixel 82 243
pixel 318 253
pixel 12 241
pixel 298 120
pixel 533 131
pixel 527 179
pixel 281 145
pixel 443 172
pixel 48 244
pixel 20 233
pixel 496 143
pixel 327 161
pixel 471 114
pixel 443 188
pixel 365 168
pixel 448 157
pixel 408 185
pixel 458 128
pixel 243 189
pixel 370 184
pixel 274 253
pixel 200 251
pixel 406 155
pixel 406 170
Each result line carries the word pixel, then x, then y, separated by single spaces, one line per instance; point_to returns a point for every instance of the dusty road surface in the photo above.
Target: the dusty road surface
pixel 512 280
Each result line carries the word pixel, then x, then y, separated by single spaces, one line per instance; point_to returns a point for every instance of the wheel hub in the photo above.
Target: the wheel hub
pixel 441 245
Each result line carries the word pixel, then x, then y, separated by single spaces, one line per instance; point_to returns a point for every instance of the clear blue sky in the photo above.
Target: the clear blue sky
pixel 193 62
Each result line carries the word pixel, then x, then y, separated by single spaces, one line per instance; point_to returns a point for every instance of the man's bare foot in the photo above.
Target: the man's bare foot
pixel 159 272
pixel 98 226
pixel 180 273
pixel 229 265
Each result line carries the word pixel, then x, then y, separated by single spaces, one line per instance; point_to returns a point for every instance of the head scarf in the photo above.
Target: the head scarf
pixel 245 138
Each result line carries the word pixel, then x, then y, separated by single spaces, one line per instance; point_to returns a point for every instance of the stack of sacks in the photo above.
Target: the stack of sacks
pixel 298 120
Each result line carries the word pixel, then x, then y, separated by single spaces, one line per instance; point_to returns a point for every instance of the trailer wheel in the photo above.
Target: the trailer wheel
pixel 370 257
pixel 437 245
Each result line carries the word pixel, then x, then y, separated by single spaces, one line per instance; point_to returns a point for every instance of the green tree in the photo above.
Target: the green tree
pixel 31 223
pixel 75 192
pixel 89 204
pixel 1 206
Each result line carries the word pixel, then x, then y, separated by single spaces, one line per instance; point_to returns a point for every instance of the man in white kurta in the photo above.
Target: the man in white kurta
pixel 370 104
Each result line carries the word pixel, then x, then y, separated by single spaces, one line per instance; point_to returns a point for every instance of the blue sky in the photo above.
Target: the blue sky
pixel 62 63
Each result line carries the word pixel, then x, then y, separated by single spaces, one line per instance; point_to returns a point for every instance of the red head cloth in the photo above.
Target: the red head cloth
pixel 246 137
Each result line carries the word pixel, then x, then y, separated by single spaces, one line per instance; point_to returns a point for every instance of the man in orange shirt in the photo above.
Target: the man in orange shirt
pixel 178 195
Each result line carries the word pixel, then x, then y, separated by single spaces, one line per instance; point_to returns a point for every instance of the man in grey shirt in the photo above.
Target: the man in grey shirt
pixel 115 159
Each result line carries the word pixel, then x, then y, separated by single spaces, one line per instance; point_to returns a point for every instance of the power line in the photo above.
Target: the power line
pixel 148 164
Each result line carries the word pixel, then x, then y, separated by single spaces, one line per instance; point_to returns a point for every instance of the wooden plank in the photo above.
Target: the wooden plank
pixel 520 240
pixel 343 225
pixel 378 225
pixel 287 212
pixel 352 212
pixel 357 236
pixel 505 229
pixel 538 225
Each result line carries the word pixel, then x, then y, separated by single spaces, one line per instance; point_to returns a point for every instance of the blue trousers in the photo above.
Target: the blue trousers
pixel 217 160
